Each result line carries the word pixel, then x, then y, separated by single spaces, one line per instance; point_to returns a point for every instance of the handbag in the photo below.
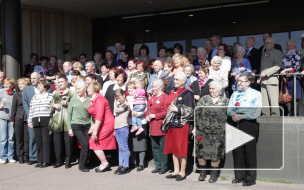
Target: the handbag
pixel 284 98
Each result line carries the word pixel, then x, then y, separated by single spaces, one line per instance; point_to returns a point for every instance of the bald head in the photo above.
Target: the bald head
pixel 35 78
pixel 158 66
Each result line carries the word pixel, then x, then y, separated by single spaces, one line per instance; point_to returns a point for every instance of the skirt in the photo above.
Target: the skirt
pixel 176 141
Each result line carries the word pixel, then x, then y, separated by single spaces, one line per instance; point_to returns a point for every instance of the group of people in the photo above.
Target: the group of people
pixel 121 103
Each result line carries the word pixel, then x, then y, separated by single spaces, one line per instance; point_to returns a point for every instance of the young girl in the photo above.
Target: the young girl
pixel 139 105
pixel 122 110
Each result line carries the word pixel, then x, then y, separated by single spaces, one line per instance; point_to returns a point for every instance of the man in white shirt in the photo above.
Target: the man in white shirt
pixel 67 68
pixel 90 67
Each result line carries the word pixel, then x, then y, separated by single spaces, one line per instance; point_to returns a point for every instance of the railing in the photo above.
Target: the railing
pixel 294 88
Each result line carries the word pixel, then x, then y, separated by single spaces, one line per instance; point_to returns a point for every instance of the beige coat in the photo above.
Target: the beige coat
pixel 270 65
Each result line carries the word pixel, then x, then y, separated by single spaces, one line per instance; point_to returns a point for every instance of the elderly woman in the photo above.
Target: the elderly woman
pixel 109 59
pixel 79 121
pixel 291 63
pixel 155 114
pixel 244 107
pixel 200 87
pixel 144 54
pixel 58 123
pixel 39 117
pixel 223 52
pixel 189 69
pixel 78 66
pixel 168 68
pixel 162 54
pixel 239 65
pixel 18 120
pixel 201 58
pixel 216 73
pixel 131 67
pixel 51 69
pixel 102 130
pixel 141 67
pixel 43 66
pixel 112 80
pixel 180 107
pixel 178 63
pixel 210 131
pixel 121 78
pixel 6 129
pixel 178 48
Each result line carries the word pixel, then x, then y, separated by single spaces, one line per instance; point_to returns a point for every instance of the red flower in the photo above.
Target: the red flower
pixel 199 139
pixel 292 71
pixel 150 102
pixel 202 60
pixel 61 92
pixel 201 83
pixel 237 104
pixel 46 70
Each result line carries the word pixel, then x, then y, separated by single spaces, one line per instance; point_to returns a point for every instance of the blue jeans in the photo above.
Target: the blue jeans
pixel 122 135
pixel 136 121
pixel 6 140
pixel 32 145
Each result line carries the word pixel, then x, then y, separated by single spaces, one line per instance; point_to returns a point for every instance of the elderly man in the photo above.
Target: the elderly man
pixel 270 64
pixel 262 49
pixel 136 54
pixel 215 41
pixel 27 95
pixel 119 48
pixel 253 55
pixel 90 67
pixel 98 61
pixel 67 68
pixel 158 73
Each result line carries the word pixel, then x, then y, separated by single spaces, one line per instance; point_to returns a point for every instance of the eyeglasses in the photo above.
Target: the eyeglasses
pixel 243 81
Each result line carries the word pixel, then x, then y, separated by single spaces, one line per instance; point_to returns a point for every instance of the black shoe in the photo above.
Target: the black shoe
pixel 44 165
pixel 202 176
pixel 140 168
pixel 67 166
pixel 26 160
pixel 249 182
pixel 38 165
pixel 57 165
pixel 162 171
pixel 21 161
pixel 214 174
pixel 118 169
pixel 180 178
pixel 107 168
pixel 171 176
pixel 31 162
pixel 84 169
pixel 123 171
pixel 156 170
pixel 237 181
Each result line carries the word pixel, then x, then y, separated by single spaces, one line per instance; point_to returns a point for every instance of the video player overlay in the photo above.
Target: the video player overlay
pixel 217 137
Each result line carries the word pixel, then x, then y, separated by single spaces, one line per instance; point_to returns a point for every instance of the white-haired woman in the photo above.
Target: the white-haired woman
pixel 155 114
pixel 79 121
pixel 216 73
pixel 180 108
pixel 201 58
pixel 291 63
pixel 239 65
pixel 189 69
pixel 210 130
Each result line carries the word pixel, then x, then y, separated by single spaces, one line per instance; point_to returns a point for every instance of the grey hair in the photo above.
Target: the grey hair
pixel 293 42
pixel 91 62
pixel 80 84
pixel 251 37
pixel 190 66
pixel 38 75
pixel 218 84
pixel 216 58
pixel 159 83
pixel 181 76
pixel 202 49
pixel 271 40
pixel 98 53
pixel 240 48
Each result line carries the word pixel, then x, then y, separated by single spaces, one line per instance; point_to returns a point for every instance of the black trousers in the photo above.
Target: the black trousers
pixel 22 138
pixel 81 133
pixel 58 138
pixel 245 156
pixel 43 143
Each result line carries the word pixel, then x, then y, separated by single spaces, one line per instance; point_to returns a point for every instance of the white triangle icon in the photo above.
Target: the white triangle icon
pixel 235 138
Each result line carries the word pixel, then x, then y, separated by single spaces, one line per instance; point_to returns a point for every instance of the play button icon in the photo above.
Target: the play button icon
pixel 235 138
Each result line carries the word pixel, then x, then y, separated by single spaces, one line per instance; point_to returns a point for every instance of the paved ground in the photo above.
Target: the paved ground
pixel 16 176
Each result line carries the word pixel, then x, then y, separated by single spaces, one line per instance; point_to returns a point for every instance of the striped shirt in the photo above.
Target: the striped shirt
pixel 40 106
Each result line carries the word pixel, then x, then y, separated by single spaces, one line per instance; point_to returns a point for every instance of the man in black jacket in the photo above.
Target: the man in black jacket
pixel 276 46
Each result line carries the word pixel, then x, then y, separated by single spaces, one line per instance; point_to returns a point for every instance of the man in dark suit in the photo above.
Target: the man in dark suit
pixel 104 76
pixel 28 93
pixel 276 46
pixel 119 48
pixel 215 41
pixel 253 55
